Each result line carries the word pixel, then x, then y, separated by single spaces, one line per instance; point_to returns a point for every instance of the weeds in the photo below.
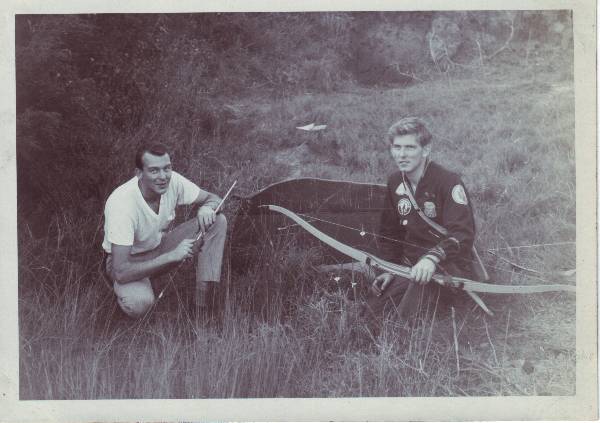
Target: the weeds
pixel 284 331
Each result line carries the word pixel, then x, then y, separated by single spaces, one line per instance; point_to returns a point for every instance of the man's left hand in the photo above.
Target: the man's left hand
pixel 422 271
pixel 206 217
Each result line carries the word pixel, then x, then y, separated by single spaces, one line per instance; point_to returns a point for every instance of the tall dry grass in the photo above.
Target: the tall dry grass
pixel 280 330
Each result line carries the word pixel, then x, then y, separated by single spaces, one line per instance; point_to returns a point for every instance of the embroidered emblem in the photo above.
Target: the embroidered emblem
pixel 404 206
pixel 401 190
pixel 429 209
pixel 459 195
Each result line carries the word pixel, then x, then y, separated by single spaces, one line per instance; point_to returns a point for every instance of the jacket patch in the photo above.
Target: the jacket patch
pixel 404 206
pixel 429 209
pixel 459 195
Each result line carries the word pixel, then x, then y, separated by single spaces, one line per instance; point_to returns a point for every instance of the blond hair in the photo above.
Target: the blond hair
pixel 407 126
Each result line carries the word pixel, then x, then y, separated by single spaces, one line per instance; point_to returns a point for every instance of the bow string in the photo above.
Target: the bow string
pixel 491 251
pixel 404 271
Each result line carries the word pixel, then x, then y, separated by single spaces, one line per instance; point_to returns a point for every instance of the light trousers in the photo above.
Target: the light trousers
pixel 136 297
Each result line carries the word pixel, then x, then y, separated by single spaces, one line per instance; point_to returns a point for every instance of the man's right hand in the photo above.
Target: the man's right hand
pixel 381 282
pixel 184 250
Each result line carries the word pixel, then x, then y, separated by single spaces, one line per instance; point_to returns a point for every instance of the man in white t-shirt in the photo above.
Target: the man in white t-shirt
pixel 137 240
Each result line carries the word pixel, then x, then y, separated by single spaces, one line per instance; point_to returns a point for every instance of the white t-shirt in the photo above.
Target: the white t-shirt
pixel 129 220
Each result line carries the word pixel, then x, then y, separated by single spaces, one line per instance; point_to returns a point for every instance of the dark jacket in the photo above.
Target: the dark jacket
pixel 442 197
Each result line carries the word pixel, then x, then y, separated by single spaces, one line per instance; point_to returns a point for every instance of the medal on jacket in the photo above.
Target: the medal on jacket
pixel 429 209
pixel 404 206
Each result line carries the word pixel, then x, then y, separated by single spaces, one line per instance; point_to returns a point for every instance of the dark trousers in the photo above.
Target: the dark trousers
pixel 403 299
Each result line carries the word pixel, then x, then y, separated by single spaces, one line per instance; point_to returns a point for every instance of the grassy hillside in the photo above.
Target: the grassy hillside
pixel 282 329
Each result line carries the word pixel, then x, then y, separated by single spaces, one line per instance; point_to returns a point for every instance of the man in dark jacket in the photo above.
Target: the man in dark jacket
pixel 427 222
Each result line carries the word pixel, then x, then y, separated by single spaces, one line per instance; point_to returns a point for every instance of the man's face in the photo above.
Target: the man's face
pixel 156 174
pixel 408 153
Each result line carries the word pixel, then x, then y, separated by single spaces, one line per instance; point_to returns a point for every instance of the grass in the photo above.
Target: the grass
pixel 283 330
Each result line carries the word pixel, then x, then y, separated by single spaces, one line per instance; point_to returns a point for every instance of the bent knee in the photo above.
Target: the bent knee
pixel 136 307
pixel 221 219
pixel 220 222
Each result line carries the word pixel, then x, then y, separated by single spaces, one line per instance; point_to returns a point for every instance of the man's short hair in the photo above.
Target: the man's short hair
pixel 407 126
pixel 156 149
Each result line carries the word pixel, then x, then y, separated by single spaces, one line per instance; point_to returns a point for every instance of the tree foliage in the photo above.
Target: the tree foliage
pixel 91 87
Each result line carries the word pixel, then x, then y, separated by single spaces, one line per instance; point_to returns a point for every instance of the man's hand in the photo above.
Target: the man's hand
pixel 184 250
pixel 423 270
pixel 206 217
pixel 380 283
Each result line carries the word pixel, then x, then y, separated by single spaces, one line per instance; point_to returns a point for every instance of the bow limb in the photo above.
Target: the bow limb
pixel 355 253
pixel 469 285
pixel 404 271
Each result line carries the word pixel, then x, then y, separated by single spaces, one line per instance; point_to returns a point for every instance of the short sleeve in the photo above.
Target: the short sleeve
pixel 187 191
pixel 119 226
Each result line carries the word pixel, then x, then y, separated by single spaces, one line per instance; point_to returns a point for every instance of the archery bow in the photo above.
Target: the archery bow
pixel 201 233
pixel 404 271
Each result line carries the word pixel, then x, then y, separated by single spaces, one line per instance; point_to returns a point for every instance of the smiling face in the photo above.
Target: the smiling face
pixel 409 155
pixel 155 176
